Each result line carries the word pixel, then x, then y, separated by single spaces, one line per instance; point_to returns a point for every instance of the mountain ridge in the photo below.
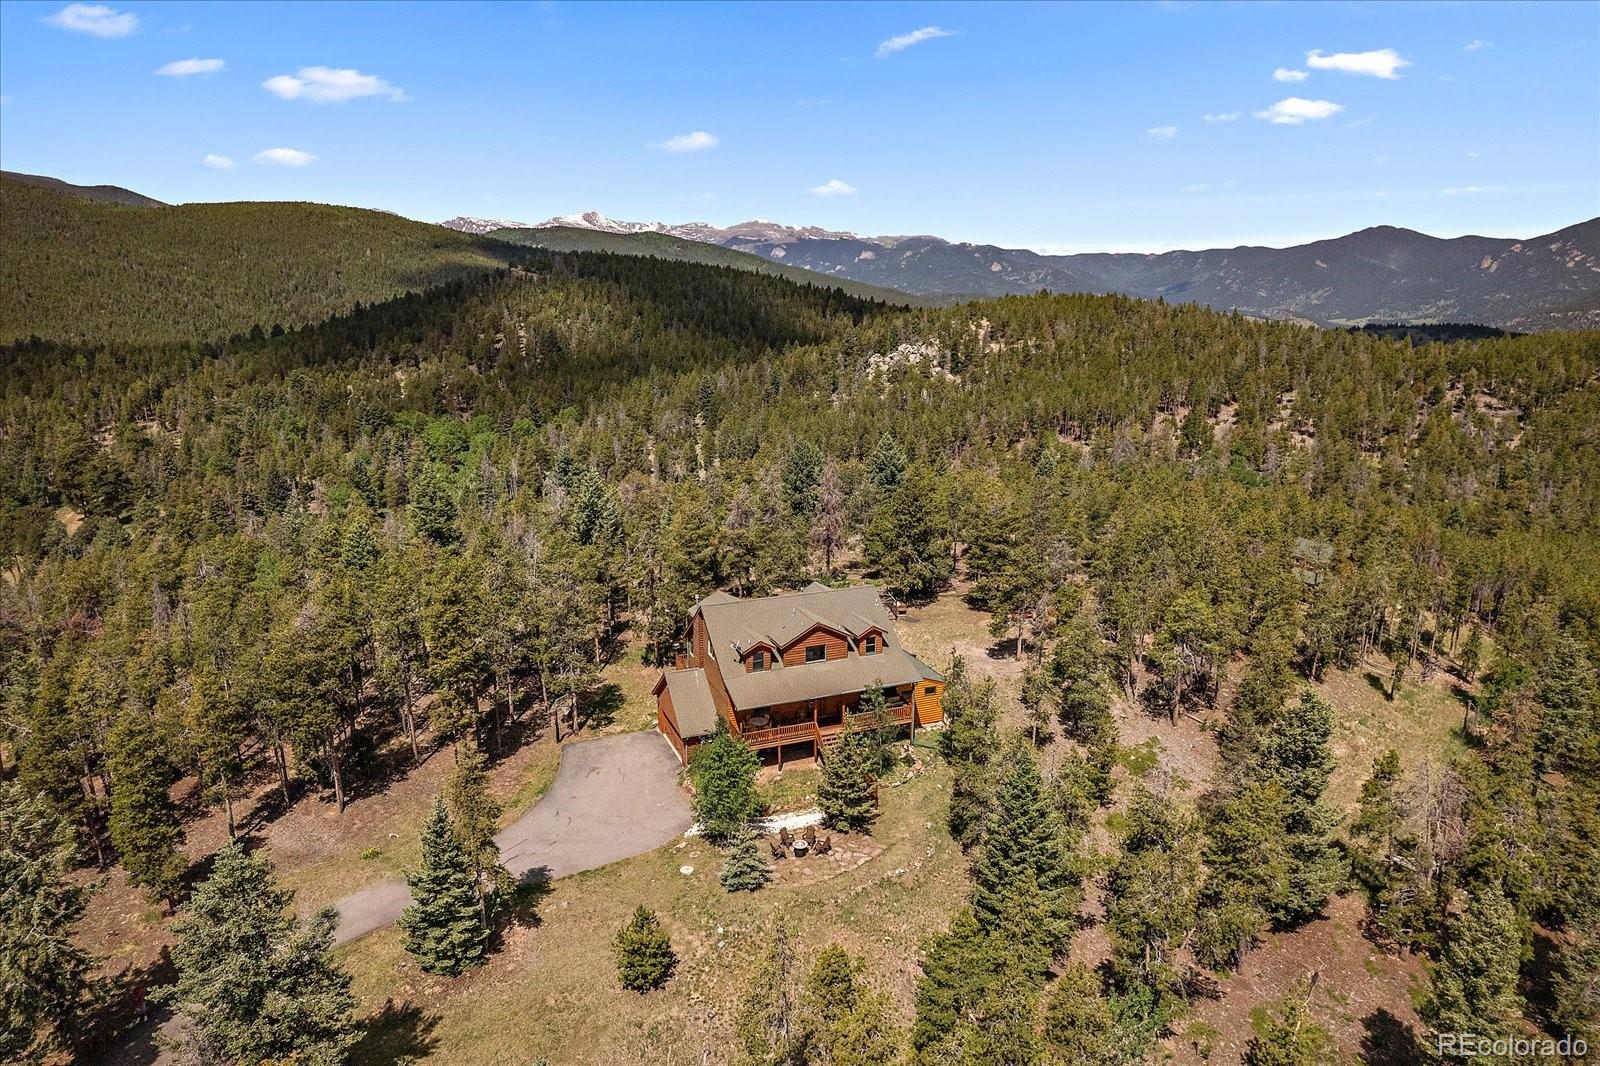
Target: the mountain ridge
pixel 1380 273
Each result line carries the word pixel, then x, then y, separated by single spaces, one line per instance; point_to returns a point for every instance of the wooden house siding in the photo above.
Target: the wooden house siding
pixel 837 646
pixel 929 702
pixel 667 724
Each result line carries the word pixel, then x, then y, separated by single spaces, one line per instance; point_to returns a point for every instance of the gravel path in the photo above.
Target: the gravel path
pixel 613 798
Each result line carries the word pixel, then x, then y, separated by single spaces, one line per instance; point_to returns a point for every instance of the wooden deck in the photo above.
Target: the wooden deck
pixel 821 736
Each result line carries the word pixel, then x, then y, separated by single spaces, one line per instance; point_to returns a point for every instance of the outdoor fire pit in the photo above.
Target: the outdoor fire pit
pixel 801 849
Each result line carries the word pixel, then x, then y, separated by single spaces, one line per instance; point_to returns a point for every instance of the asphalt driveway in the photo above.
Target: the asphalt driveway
pixel 613 798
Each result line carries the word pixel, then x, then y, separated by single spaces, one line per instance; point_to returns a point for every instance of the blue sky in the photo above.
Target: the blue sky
pixel 1139 126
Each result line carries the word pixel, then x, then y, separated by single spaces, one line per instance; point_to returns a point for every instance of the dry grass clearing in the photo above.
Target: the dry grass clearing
pixel 551 991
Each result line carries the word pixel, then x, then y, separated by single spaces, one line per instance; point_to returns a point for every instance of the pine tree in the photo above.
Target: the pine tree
pixel 1286 1035
pixel 1578 983
pixel 1248 873
pixel 475 819
pixel 444 924
pixel 43 972
pixel 1569 729
pixel 968 742
pixel 1152 898
pixel 848 792
pixel 843 1023
pixel 724 773
pixel 254 983
pixel 745 869
pixel 767 1027
pixel 907 540
pixel 887 466
pixel 802 473
pixel 1296 755
pixel 1024 836
pixel 1002 1029
pixel 433 506
pixel 1077 1020
pixel 645 958
pixel 1474 985
pixel 958 966
pixel 144 821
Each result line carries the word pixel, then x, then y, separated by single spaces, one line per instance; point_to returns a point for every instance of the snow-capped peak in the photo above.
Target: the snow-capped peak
pixel 596 221
pixel 480 226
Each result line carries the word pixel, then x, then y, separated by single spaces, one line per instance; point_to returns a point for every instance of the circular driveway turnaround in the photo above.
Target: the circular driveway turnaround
pixel 613 798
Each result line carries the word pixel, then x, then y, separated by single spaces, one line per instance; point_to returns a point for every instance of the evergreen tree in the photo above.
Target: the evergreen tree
pixel 744 868
pixel 887 466
pixel 475 819
pixel 1569 728
pixel 43 972
pixel 724 773
pixel 958 966
pixel 766 1026
pixel 848 792
pixel 1474 985
pixel 1077 1020
pixel 1286 1035
pixel 444 924
pixel 1297 757
pixel 1024 837
pixel 645 958
pixel 255 984
pixel 1578 983
pixel 1003 1028
pixel 1248 875
pixel 144 821
pixel 802 474
pixel 842 1022
pixel 433 506
pixel 1153 894
pixel 907 541
pixel 968 742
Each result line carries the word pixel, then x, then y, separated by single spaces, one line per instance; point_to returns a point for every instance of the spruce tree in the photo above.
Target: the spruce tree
pixel 1024 836
pixel 144 821
pixel 444 924
pixel 475 819
pixel 766 1026
pixel 1286 1035
pixel 968 742
pixel 645 958
pixel 255 984
pixel 842 1022
pixel 1077 1020
pixel 1473 987
pixel 724 773
pixel 43 972
pixel 744 868
pixel 847 793
pixel 958 966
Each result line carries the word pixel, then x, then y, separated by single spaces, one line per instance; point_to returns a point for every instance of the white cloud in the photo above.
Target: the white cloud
pixel 222 162
pixel 1478 46
pixel 1163 133
pixel 1466 190
pixel 1382 63
pixel 1223 116
pixel 1285 74
pixel 325 85
pixel 906 40
pixel 1292 111
pixel 97 20
pixel 183 68
pixel 832 187
pixel 698 141
pixel 284 157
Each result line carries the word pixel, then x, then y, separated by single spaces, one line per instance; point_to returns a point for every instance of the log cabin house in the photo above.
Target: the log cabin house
pixel 788 671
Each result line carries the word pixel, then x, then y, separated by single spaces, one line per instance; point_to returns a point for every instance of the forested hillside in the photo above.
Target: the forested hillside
pixel 667 246
pixel 77 269
pixel 274 558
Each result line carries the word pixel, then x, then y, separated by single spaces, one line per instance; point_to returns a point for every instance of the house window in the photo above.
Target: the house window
pixel 931 690
pixel 758 661
pixel 816 653
pixel 872 644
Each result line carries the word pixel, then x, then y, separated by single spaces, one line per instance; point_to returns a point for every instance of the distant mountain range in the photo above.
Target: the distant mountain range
pixel 1381 274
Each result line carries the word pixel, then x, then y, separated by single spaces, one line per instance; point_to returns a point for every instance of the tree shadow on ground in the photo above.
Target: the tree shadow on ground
pixel 396 1034
pixel 600 708
pixel 1388 1041
pixel 125 1023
